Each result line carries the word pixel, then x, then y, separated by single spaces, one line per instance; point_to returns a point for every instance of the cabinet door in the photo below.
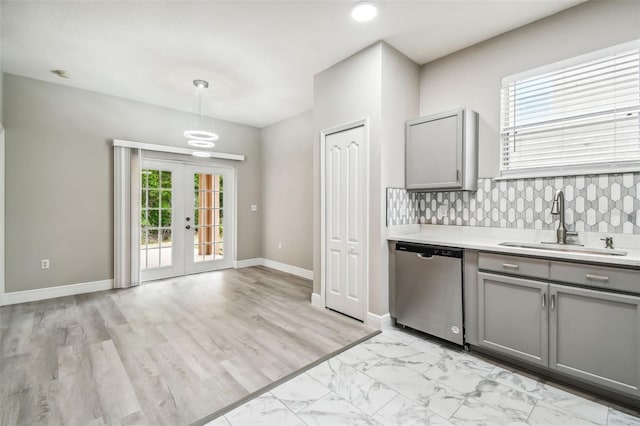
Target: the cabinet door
pixel 434 152
pixel 595 336
pixel 512 317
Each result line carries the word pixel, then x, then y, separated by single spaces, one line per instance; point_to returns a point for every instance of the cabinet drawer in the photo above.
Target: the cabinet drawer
pixel 516 265
pixel 597 276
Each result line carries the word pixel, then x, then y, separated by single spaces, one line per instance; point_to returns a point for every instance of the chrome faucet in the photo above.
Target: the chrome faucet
pixel 558 208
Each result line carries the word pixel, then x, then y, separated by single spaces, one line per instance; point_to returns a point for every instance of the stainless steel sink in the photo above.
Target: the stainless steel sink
pixel 566 248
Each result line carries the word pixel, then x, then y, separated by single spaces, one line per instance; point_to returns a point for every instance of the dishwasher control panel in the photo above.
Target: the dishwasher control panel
pixel 430 250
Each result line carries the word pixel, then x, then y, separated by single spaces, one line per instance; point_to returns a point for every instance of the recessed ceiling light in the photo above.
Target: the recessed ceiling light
pixel 201 154
pixel 363 12
pixel 201 144
pixel 61 73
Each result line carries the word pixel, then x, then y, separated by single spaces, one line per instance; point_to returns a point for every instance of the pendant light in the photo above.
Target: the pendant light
pixel 199 137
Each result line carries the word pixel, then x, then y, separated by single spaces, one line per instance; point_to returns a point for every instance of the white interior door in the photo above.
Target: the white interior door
pixel 185 210
pixel 345 257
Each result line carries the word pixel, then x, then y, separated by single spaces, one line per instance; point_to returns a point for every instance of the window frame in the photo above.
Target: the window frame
pixel 565 169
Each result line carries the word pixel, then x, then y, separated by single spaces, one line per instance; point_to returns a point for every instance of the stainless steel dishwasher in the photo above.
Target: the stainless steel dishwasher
pixel 428 286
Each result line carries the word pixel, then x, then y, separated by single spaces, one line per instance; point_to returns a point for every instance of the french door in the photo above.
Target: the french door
pixel 186 217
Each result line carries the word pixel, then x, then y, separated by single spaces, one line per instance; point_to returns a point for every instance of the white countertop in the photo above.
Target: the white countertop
pixel 488 239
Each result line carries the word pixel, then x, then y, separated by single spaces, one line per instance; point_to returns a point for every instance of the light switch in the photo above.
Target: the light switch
pixel 254 207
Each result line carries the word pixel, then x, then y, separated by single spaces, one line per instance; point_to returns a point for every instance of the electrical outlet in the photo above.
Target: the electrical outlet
pixel 45 264
pixel 254 207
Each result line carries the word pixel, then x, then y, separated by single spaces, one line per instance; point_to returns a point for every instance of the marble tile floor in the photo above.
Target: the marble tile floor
pixel 398 378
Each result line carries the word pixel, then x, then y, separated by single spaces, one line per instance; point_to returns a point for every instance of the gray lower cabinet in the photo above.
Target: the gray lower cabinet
pixel 581 320
pixel 512 317
pixel 595 335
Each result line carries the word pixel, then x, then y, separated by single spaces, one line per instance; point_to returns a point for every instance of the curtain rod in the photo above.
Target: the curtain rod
pixel 174 149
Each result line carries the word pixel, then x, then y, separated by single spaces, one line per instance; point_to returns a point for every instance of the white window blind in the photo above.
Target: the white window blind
pixel 578 115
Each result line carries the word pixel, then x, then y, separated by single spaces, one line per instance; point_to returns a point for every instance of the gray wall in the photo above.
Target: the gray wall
pixel 381 84
pixel 1 78
pixel 287 199
pixel 1 93
pixel 2 214
pixel 400 102
pixel 59 175
pixel 346 92
pixel 2 171
pixel 471 77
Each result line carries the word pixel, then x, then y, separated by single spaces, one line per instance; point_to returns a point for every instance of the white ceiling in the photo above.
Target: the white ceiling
pixel 260 57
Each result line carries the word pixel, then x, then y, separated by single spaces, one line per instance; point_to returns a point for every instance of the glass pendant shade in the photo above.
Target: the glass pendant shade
pixel 201 135
pixel 199 143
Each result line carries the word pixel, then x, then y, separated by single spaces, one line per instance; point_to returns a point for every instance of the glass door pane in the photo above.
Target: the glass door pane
pixel 208 238
pixel 155 219
pixel 160 204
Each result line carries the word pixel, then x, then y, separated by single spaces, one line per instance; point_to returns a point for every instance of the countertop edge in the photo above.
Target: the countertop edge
pixel 631 261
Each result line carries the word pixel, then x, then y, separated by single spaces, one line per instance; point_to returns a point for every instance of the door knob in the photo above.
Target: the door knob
pixel 188 227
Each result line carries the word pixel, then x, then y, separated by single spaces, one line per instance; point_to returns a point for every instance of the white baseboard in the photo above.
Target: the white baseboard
pixel 247 263
pixel 294 270
pixel 52 292
pixel 283 267
pixel 90 287
pixel 379 322
pixel 316 300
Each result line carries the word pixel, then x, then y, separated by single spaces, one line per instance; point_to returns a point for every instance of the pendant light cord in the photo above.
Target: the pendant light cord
pixel 199 107
pixel 198 136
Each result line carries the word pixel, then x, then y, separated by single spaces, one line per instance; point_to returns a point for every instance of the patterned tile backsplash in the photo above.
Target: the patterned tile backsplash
pixel 593 203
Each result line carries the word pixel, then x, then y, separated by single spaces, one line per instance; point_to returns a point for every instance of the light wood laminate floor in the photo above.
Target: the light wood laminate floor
pixel 164 353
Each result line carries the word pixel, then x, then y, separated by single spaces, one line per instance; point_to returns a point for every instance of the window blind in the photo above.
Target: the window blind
pixel 580 116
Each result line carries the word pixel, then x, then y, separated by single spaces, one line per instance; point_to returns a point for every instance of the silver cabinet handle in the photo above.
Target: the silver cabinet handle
pixel 544 300
pixel 553 301
pixel 510 266
pixel 424 256
pixel 600 278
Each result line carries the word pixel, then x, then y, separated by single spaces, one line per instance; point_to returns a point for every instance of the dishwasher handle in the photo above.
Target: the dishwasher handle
pixel 424 256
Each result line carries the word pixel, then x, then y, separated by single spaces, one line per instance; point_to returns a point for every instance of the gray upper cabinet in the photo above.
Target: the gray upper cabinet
pixel 442 152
